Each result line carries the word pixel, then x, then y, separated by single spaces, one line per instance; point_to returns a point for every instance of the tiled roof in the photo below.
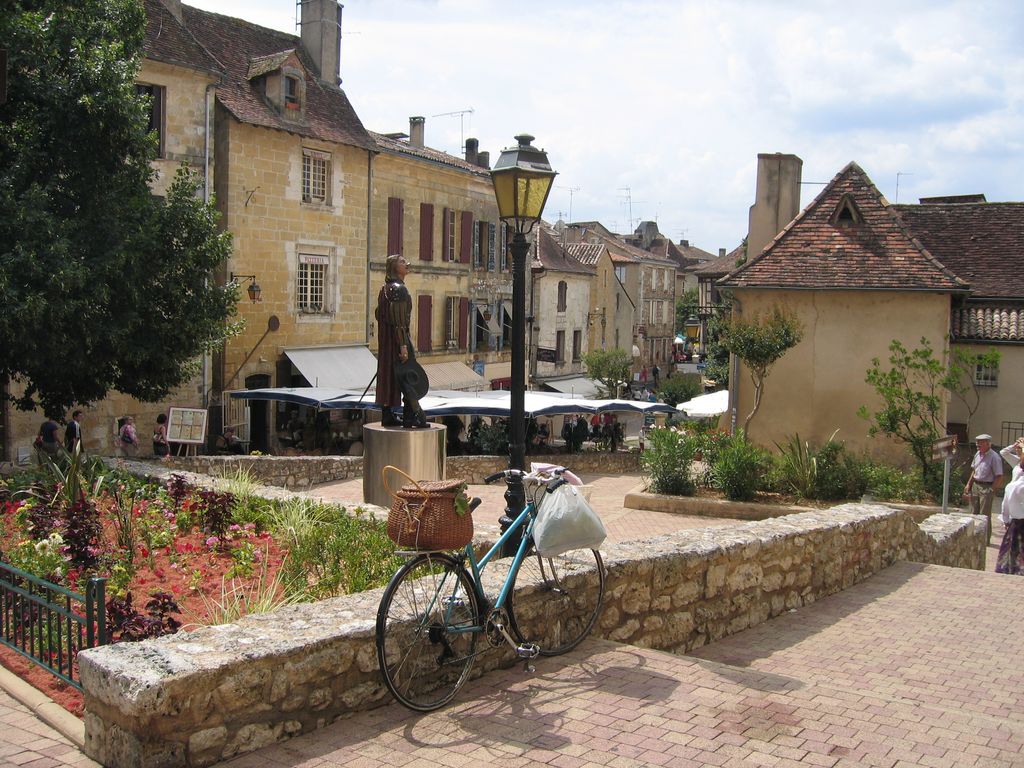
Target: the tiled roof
pixel 982 243
pixel 848 238
pixel 235 44
pixel 553 257
pixel 988 322
pixel 721 265
pixel 261 65
pixel 388 144
pixel 585 253
pixel 168 41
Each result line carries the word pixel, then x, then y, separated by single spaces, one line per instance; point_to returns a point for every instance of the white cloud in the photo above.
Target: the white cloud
pixel 675 100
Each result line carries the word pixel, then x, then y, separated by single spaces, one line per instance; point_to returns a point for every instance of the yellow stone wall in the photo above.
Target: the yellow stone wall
pixel 416 181
pixel 185 101
pixel 818 385
pixel 550 321
pixel 609 295
pixel 259 193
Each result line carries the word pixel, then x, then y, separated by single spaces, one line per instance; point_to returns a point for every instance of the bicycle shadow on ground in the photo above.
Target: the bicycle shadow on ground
pixel 512 710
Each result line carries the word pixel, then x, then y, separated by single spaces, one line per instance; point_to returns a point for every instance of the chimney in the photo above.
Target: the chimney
pixel 321 37
pixel 174 6
pixel 721 252
pixel 472 151
pixel 483 159
pixel 776 199
pixel 684 243
pixel 417 126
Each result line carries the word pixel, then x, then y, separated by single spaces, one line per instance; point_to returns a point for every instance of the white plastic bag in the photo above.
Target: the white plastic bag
pixel 565 521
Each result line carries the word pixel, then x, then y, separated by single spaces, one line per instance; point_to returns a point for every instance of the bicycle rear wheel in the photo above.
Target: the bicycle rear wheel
pixel 427 628
pixel 558 599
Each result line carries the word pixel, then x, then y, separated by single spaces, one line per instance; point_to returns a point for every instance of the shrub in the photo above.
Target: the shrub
pixel 739 469
pixel 334 553
pixel 680 388
pixel 797 466
pixel 839 476
pixel 888 483
pixel 668 459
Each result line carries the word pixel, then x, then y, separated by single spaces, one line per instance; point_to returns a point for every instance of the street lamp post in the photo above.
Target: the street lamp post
pixel 522 180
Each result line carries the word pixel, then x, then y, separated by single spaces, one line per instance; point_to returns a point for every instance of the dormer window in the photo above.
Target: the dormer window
pixel 846 213
pixel 291 93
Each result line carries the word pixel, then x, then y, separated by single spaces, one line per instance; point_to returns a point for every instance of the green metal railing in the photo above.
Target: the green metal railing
pixel 49 624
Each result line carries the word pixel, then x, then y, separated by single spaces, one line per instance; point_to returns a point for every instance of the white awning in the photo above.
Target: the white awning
pixel 705 406
pixel 580 386
pixel 335 367
pixel 454 375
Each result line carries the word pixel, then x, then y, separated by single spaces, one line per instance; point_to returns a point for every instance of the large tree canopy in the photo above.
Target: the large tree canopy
pixel 102 285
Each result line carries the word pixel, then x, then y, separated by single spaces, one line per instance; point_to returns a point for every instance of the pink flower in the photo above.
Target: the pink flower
pixel 212 542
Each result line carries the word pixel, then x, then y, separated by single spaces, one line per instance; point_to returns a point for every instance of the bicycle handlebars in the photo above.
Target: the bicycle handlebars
pixel 541 477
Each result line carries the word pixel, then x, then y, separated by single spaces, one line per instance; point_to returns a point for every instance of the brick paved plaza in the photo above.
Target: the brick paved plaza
pixel 915 666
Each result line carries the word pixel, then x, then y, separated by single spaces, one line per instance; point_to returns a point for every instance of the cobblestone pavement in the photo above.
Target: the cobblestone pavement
pixel 912 667
pixel 27 741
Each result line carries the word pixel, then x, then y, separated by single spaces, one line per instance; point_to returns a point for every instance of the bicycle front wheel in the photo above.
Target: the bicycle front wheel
pixel 427 628
pixel 558 599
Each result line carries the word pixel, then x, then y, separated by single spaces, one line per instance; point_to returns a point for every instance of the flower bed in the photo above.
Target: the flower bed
pixel 178 557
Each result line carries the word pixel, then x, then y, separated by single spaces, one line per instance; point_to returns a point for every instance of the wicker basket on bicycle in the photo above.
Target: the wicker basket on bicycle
pixel 424 514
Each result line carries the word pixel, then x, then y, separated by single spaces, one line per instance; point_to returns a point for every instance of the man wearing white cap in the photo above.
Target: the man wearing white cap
pixel 986 477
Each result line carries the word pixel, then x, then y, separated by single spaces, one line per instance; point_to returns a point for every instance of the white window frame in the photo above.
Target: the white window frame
pixel 312 278
pixel 986 375
pixel 316 176
pixel 451 252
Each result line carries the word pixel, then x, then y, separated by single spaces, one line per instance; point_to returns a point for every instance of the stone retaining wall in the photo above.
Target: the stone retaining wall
pixel 196 698
pixel 302 472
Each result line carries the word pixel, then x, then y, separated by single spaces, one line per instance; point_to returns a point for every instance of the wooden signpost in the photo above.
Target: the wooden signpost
pixel 943 450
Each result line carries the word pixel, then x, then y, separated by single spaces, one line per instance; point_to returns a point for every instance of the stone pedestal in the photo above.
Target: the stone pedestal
pixel 418 452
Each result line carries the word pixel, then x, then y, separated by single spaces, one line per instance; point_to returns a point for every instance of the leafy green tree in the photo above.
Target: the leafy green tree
pixel 104 286
pixel 680 388
pixel 610 367
pixel 759 342
pixel 912 394
pixel 686 308
pixel 716 356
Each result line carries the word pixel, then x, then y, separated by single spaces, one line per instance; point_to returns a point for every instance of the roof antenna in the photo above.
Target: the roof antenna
pixel 898 174
pixel 462 124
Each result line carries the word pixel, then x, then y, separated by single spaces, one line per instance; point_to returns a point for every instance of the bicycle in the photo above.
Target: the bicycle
pixel 434 611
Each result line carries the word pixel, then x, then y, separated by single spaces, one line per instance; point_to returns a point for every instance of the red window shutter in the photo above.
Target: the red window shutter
pixel 394 226
pixel 423 319
pixel 466 243
pixel 445 233
pixel 426 232
pixel 463 323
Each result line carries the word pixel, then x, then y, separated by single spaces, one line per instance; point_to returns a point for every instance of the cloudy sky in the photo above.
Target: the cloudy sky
pixel 657 110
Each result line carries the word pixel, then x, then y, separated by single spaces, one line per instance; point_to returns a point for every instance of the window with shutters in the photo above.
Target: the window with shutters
pixel 504 247
pixel 449 235
pixel 493 245
pixel 156 95
pixel 311 287
pixel 451 322
pixel 563 294
pixel 316 176
pixel 620 273
pixel 577 346
pixel 479 244
pixel 426 232
pixel 466 237
pixel 396 216
pixel 559 346
pixel 424 319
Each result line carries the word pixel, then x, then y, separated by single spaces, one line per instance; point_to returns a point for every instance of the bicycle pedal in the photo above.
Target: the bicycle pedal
pixel 528 651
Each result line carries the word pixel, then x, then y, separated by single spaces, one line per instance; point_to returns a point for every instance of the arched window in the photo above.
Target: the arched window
pixel 563 291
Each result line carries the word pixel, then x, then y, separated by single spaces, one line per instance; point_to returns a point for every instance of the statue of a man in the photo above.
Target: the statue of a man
pixel 394 348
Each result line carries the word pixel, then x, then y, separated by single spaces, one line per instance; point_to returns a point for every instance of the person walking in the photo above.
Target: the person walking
pixel 986 478
pixel 128 438
pixel 47 441
pixel 1011 551
pixel 73 433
